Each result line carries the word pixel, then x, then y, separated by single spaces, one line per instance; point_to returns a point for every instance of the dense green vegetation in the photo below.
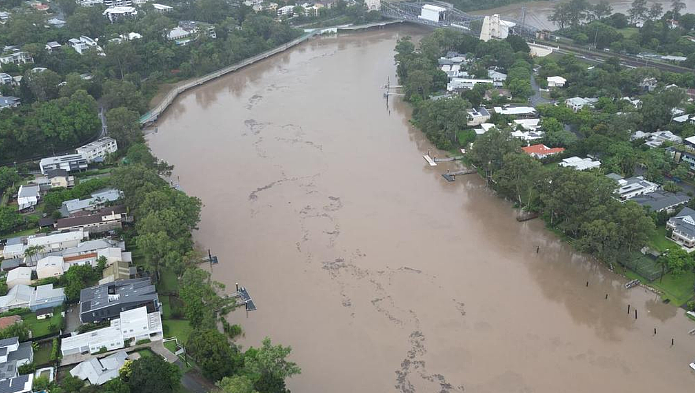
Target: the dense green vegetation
pixel 597 26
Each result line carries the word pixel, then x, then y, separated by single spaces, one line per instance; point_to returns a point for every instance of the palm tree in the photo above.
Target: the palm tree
pixel 33 251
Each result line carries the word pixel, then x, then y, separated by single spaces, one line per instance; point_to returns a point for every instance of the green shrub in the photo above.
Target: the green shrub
pixel 691 305
pixel 103 350
pixel 143 341
pixel 27 368
pixel 55 350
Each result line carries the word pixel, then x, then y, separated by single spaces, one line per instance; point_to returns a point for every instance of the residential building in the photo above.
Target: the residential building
pixel 69 162
pixel 287 10
pixel 656 139
pixel 14 355
pixel 632 187
pixel 55 22
pixel 577 103
pixel 465 83
pixel 118 271
pixel 556 81
pixel 492 93
pixel 119 12
pixel 6 79
pixel 52 46
pixel 660 200
pixel 83 43
pixel 104 302
pixel 19 276
pixel 648 84
pixel 528 136
pixel 131 325
pixel 15 56
pixel 60 178
pixel 485 127
pixel 4 17
pixel 518 111
pixel 98 200
pixel 9 321
pixel 9 264
pixel 96 151
pixel 9 102
pixel 99 371
pixel 542 151
pixel 528 124
pixel 106 220
pixel 180 35
pixel 690 141
pixel 118 3
pixel 497 77
pixel 17 297
pixel 50 266
pixel 45 296
pixel 48 243
pixel 477 116
pixel 682 227
pixel 18 384
pixel 89 3
pixel 162 7
pixel 28 196
pixel 580 164
pixel 453 71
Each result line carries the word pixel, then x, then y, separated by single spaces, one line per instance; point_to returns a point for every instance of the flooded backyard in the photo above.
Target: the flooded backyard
pixel 382 276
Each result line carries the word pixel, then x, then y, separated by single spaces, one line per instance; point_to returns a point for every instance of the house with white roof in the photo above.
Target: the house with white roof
pixel 83 43
pixel 19 276
pixel 485 127
pixel 18 296
pixel 100 371
pixel 52 46
pixel 577 103
pixel 632 187
pixel 136 324
pixel 96 151
pixel 118 12
pixel 528 124
pixel 465 83
pixel 528 136
pixel 519 111
pixel 50 266
pixel 497 77
pixel 24 296
pixel 6 79
pixel 556 81
pixel 28 196
pixel 69 162
pixel 580 164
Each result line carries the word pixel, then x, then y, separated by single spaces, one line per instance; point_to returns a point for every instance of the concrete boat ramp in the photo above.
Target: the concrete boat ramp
pixel 434 160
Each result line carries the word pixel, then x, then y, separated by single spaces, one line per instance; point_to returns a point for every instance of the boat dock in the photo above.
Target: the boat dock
pixel 451 176
pixel 429 160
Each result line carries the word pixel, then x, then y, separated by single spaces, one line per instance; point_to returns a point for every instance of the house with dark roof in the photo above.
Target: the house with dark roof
pixel 661 200
pixel 107 301
pixel 106 219
pixel 60 178
pixel 682 227
pixel 13 355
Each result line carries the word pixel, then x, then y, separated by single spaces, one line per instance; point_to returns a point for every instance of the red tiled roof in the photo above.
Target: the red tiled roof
pixel 7 321
pixel 542 150
pixel 78 257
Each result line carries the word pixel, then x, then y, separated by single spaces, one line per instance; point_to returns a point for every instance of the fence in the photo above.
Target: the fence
pixel 154 113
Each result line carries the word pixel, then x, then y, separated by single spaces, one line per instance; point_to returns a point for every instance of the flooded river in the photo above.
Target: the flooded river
pixel 537 12
pixel 382 276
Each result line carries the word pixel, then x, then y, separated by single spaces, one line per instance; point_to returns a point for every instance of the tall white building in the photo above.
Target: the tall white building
pixel 97 150
pixel 494 27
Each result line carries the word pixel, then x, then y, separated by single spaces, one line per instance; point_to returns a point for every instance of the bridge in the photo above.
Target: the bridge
pixel 451 17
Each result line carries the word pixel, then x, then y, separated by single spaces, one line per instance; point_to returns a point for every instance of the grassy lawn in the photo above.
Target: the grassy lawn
pixel 40 327
pixel 179 328
pixel 43 355
pixel 24 232
pixel 166 306
pixel 659 242
pixel 678 289
pixel 171 346
pixel 145 352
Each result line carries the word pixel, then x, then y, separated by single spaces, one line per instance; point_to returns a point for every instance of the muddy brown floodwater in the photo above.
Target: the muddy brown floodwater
pixel 382 276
